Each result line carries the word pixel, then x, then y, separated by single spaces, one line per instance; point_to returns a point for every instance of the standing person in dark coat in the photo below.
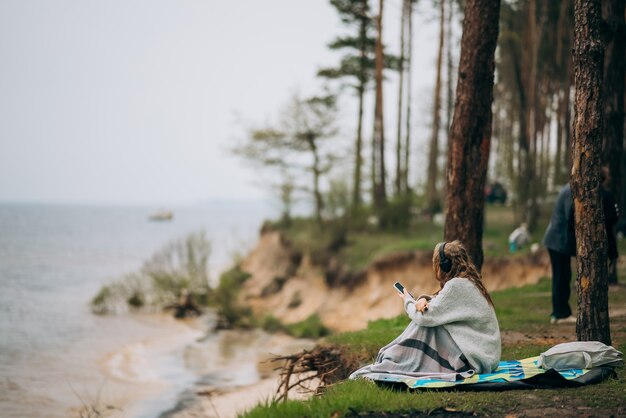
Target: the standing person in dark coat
pixel 560 241
pixel 611 216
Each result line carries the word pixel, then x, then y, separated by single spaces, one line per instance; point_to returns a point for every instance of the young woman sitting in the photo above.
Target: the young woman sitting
pixel 453 334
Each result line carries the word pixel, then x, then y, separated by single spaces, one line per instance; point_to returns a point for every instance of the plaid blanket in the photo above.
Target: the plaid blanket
pixel 418 353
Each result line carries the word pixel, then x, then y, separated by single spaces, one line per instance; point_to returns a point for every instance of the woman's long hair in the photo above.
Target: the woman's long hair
pixel 462 267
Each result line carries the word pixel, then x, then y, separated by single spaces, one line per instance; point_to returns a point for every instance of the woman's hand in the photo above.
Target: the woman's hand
pixel 401 295
pixel 421 305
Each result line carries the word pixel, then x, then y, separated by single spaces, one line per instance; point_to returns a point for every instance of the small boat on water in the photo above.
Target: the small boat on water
pixel 162 215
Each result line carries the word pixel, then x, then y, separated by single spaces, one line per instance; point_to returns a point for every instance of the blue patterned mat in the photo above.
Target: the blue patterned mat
pixel 507 371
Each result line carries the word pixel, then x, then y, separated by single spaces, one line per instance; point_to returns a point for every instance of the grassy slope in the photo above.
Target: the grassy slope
pixel 523 314
pixel 365 245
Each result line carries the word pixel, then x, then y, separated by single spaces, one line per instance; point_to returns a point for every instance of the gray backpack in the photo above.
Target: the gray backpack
pixel 580 355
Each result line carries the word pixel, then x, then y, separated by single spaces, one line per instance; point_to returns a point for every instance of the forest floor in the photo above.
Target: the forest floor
pixel 523 314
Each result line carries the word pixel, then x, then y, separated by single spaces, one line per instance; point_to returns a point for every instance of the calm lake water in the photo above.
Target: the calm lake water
pixel 53 259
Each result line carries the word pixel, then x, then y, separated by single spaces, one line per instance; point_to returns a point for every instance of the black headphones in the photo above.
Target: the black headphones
pixel 444 262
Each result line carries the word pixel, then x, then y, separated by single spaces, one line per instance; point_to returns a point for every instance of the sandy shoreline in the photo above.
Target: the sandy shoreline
pixel 183 371
pixel 138 369
pixel 225 401
pixel 210 402
pixel 229 404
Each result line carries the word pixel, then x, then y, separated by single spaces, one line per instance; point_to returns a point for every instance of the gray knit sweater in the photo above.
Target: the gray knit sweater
pixel 471 321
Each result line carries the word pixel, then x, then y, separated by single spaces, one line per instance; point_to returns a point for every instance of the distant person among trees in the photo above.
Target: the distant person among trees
pixel 560 241
pixel 519 238
pixel 453 333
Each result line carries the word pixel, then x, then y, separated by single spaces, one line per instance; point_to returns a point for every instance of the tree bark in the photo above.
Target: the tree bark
pixel 449 73
pixel 556 180
pixel 401 70
pixel 470 136
pixel 317 195
pixel 528 83
pixel 546 139
pixel 407 138
pixel 378 143
pixel 534 32
pixel 523 158
pixel 591 242
pixel 614 70
pixel 358 158
pixel 432 197
pixel 568 115
pixel 563 56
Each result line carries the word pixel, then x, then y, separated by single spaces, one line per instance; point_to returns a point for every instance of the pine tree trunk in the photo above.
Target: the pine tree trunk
pixel 529 83
pixel 614 70
pixel 468 151
pixel 432 196
pixel 544 110
pixel 534 36
pixel 407 138
pixel 541 145
pixel 562 44
pixel 523 154
pixel 556 180
pixel 317 195
pixel 450 78
pixel 547 139
pixel 510 123
pixel 519 178
pixel 358 158
pixel 398 182
pixel 568 117
pixel 591 245
pixel 378 143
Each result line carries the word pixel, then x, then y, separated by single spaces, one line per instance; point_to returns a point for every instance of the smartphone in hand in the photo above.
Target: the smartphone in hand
pixel 400 288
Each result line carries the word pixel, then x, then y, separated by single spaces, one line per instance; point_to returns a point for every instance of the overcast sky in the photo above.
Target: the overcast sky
pixel 138 102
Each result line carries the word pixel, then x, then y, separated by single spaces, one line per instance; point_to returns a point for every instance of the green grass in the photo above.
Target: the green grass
pixel 363 396
pixel 523 314
pixel 524 311
pixel 364 247
pixel 311 327
pixel 526 308
pixel 377 334
pixel 224 299
pixel 364 244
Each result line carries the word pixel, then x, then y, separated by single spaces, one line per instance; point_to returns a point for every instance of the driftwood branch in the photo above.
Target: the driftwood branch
pixel 323 364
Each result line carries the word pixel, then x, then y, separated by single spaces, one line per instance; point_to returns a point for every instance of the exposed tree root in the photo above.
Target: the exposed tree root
pixel 313 370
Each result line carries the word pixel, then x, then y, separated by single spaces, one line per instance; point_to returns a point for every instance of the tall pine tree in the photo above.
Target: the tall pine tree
pixel 358 66
pixel 470 134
